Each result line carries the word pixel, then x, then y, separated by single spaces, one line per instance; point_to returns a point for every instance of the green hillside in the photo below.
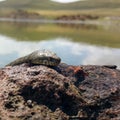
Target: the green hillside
pixel 49 5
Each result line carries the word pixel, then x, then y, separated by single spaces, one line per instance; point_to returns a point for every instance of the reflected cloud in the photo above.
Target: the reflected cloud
pixel 70 52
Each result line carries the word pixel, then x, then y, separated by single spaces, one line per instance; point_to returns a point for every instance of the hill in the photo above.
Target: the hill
pixel 50 5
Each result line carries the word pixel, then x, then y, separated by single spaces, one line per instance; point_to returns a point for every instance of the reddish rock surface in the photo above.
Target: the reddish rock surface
pixel 59 93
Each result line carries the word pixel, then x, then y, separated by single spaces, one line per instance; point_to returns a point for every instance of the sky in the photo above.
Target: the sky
pixel 2 0
pixel 65 1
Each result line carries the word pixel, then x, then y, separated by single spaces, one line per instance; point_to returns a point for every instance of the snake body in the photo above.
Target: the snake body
pixel 39 57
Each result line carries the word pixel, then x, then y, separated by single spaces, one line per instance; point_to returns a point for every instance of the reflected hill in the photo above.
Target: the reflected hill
pixel 90 34
pixel 50 5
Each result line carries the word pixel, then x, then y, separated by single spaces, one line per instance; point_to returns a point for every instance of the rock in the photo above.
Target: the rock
pixel 110 66
pixel 59 93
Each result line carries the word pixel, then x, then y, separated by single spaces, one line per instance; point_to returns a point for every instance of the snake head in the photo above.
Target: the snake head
pixel 44 57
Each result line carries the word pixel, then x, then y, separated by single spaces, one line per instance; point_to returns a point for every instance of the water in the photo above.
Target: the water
pixel 76 44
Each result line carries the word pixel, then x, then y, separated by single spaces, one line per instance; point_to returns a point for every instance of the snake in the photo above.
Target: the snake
pixel 38 57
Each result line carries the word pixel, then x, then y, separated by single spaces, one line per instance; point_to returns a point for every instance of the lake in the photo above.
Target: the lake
pixel 76 44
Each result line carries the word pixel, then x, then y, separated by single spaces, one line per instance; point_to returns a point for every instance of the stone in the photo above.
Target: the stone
pixel 64 92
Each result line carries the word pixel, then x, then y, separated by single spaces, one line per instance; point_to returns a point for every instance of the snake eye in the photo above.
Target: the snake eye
pixel 45 62
pixel 50 59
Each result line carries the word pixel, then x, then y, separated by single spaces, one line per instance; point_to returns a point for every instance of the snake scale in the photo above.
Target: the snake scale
pixel 38 57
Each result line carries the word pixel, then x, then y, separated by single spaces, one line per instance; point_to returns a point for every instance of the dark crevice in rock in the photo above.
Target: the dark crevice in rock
pixel 94 110
pixel 51 99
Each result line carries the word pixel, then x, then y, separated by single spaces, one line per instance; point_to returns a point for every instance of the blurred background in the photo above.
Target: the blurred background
pixel 79 31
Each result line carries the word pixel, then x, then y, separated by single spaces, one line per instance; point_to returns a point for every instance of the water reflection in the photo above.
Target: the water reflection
pixel 70 52
pixel 79 26
pixel 90 34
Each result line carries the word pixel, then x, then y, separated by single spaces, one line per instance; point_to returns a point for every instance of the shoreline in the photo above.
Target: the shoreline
pixel 44 21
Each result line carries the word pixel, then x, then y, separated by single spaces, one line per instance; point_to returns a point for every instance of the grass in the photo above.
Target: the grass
pixel 51 14
pixel 51 9
pixel 50 5
pixel 99 12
